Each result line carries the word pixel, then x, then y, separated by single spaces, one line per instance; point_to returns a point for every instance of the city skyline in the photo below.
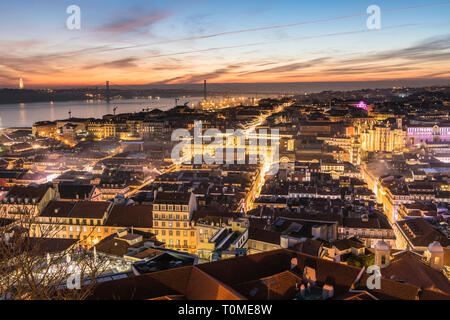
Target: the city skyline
pixel 182 42
pixel 267 152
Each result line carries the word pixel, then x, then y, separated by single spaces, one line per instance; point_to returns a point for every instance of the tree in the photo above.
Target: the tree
pixel 43 267
pixel 363 260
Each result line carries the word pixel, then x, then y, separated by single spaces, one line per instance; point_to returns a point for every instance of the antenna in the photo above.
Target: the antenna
pixel 70 114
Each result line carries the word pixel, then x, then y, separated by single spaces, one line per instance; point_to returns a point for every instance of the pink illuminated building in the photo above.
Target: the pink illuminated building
pixel 428 134
pixel 360 105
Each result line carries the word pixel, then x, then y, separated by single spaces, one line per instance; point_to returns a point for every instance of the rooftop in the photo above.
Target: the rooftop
pixel 172 198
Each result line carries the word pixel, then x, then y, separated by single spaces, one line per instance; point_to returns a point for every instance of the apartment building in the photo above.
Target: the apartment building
pixel 30 200
pixel 90 221
pixel 172 216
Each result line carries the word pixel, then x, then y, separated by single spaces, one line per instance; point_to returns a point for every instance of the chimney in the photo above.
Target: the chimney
pixel 294 263
pixel 302 290
pixel 309 275
pixel 327 291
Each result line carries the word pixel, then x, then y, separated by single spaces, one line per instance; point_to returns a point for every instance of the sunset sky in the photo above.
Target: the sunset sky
pixel 186 41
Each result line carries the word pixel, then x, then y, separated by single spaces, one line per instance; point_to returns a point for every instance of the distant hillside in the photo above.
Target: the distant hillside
pixel 28 96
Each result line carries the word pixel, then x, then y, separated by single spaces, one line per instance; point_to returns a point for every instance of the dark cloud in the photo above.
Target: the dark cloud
pixel 133 24
pixel 199 77
pixel 7 77
pixel 120 64
pixel 30 65
pixel 291 67
pixel 431 49
pixel 368 69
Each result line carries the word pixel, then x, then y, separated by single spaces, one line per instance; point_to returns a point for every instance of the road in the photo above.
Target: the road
pixel 258 183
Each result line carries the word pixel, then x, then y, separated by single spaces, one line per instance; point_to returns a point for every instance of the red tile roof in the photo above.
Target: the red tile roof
pixel 172 198
pixel 410 268
pixel 281 286
pixel 81 210
pixel 130 216
pixel 31 192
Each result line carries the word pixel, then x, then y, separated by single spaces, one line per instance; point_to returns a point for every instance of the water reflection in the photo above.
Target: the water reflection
pixel 24 115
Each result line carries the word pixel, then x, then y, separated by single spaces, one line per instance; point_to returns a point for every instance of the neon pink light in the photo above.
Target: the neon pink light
pixel 361 105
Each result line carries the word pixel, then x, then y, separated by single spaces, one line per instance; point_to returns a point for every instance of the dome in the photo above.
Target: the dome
pixel 435 247
pixel 382 246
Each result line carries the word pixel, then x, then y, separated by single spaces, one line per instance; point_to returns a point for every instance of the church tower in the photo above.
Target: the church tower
pixel 382 254
pixel 435 255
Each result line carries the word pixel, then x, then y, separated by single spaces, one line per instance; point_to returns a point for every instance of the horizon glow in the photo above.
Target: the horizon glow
pixel 179 42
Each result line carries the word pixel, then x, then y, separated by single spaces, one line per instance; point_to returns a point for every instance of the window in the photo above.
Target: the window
pixel 192 234
pixel 155 223
pixel 178 233
pixel 163 207
pixel 170 233
pixel 156 207
pixel 170 207
pixel 177 208
pixel 163 232
pixel 170 224
pixel 84 229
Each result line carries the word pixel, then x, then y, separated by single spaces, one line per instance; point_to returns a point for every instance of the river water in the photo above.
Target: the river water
pixel 25 114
